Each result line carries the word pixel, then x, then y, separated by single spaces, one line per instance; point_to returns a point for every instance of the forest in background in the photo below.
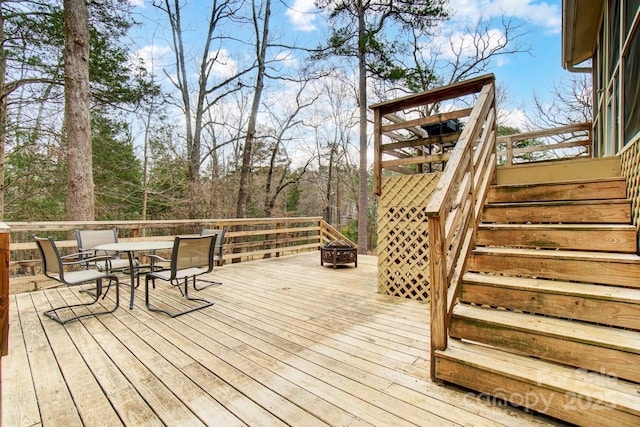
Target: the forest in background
pixel 242 111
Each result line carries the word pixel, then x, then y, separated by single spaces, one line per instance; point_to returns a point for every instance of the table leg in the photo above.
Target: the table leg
pixel 132 275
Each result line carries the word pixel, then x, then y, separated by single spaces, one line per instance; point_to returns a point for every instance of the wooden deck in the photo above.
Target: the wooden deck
pixel 287 343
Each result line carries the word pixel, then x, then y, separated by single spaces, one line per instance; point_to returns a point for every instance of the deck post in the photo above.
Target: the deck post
pixel 438 294
pixel 4 289
pixel 377 152
pixel 4 297
pixel 509 151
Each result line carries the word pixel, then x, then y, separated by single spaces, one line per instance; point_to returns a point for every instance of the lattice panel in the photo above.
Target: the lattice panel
pixel 403 252
pixel 631 170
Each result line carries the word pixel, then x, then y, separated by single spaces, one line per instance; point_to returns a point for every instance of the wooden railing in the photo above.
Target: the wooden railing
pixel 548 144
pixel 454 211
pixel 409 139
pixel 245 240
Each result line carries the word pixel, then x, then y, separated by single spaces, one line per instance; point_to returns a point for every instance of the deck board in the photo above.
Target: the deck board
pixel 287 342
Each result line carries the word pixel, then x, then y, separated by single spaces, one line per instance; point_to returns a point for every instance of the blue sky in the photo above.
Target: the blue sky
pixel 520 74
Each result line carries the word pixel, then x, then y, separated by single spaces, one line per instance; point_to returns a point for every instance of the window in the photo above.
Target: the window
pixel 632 88
pixel 630 9
pixel 614 35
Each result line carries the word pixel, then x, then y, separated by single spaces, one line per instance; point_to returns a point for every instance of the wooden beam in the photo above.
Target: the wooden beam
pixel 386 164
pixel 401 170
pixel 412 126
pixel 397 137
pixel 436 95
pixel 449 138
pixel 580 127
pixel 399 123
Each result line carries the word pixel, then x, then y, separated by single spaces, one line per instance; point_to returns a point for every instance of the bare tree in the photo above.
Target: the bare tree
pixel 571 102
pixel 335 124
pixel 284 124
pixel 261 46
pixel 207 93
pixel 460 53
pixel 265 70
pixel 80 199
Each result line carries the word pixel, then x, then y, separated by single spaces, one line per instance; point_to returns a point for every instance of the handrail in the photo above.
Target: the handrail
pixel 246 239
pixel 579 135
pixel 329 233
pixel 454 211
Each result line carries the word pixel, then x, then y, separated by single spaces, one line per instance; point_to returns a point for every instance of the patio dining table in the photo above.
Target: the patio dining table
pixel 131 248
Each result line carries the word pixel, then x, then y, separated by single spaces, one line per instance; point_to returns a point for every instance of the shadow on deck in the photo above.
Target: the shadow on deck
pixel 288 342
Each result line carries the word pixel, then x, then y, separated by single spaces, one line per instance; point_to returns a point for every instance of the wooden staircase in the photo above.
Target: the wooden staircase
pixel 549 310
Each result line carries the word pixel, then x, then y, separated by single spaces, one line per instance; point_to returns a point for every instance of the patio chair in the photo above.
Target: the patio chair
pixel 217 257
pixel 89 239
pixel 191 257
pixel 53 266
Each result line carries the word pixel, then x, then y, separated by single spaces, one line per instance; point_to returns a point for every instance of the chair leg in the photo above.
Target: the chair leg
pixel 185 294
pixel 209 284
pixel 53 313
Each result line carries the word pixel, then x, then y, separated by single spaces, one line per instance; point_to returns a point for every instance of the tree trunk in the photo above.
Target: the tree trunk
pixel 80 199
pixel 3 112
pixel 261 51
pixel 362 83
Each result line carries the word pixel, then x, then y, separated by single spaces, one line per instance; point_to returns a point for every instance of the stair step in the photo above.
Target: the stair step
pixel 560 171
pixel 606 305
pixel 591 237
pixel 573 395
pixel 582 345
pixel 580 266
pixel 604 188
pixel 616 211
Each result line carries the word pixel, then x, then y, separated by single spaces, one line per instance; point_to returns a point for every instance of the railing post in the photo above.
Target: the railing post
pixel 278 227
pixel 377 151
pixel 509 151
pixel 439 287
pixel 4 290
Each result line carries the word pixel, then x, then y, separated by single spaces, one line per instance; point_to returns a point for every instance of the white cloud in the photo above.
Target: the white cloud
pixel 515 118
pixel 137 3
pixel 541 14
pixel 301 15
pixel 223 66
pixel 152 57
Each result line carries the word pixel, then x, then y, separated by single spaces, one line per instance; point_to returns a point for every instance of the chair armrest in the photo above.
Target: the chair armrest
pixel 78 255
pixel 83 261
pixel 158 258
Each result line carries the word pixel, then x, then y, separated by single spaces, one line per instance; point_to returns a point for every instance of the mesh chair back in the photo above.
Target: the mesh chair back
pixel 51 262
pixel 193 252
pixel 89 239
pixel 219 233
pixel 52 266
